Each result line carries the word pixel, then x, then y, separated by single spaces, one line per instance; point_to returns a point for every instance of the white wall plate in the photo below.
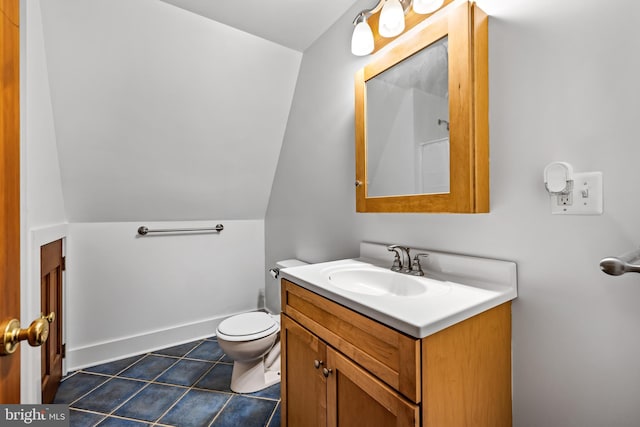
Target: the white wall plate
pixel 586 197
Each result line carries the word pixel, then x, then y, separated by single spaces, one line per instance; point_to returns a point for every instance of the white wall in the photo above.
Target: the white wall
pixel 43 217
pixel 162 114
pixel 158 115
pixel 311 214
pixel 563 86
pixel 129 294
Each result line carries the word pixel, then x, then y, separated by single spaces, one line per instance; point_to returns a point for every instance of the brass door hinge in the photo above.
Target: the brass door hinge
pixel 64 350
pixel 63 264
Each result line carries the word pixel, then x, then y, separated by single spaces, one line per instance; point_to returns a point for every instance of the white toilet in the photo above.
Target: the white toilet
pixel 252 340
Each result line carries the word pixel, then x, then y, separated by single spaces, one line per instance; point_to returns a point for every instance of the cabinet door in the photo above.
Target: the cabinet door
pixel 356 398
pixel 304 392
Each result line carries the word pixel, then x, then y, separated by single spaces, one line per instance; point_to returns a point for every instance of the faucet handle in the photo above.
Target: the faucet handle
pixel 416 267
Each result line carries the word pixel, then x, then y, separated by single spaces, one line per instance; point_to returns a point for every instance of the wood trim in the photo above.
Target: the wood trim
pixel 405 414
pixel 361 151
pixel 461 139
pixel 480 41
pixel 466 372
pixel 388 354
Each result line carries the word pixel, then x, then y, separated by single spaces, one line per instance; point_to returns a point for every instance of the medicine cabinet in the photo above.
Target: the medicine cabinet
pixel 421 117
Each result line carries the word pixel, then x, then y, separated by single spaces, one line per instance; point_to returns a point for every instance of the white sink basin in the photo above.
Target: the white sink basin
pixel 454 288
pixel 380 282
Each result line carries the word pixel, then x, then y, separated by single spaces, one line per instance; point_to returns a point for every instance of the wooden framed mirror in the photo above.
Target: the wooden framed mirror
pixel 421 116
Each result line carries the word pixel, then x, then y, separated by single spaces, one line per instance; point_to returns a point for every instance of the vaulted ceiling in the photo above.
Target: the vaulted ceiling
pixel 291 23
pixel 165 114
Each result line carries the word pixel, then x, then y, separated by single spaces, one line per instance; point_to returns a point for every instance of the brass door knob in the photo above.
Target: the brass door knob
pixel 36 334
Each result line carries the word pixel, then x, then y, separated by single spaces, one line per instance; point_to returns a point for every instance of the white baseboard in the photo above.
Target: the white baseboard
pixel 108 351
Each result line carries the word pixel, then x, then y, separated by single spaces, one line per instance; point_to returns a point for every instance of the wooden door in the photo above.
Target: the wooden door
pixel 357 398
pixel 51 302
pixel 304 396
pixel 9 189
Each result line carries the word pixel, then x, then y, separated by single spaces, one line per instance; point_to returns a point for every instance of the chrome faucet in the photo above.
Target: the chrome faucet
pixel 399 263
pixel 402 261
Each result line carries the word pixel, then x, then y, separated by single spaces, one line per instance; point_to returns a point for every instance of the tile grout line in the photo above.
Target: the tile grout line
pixel 152 381
pixel 147 383
pixel 110 377
pixel 157 421
pixel 220 411
pixel 273 413
pixel 191 387
pixel 116 376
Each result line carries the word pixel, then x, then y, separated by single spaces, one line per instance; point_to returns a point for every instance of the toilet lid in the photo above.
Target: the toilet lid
pixel 247 324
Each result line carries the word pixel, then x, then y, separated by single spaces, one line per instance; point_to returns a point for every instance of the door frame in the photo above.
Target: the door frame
pixel 30 241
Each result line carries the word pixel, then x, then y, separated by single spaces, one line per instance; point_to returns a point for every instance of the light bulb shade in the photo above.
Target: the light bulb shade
pixel 362 39
pixel 422 7
pixel 391 19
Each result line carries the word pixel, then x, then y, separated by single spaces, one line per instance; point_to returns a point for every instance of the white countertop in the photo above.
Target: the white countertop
pixel 462 287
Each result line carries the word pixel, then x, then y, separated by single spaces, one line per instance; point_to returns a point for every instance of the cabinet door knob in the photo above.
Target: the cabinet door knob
pixel 317 363
pixel 326 372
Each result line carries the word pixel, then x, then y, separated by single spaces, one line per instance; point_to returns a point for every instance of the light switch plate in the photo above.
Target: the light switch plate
pixel 586 197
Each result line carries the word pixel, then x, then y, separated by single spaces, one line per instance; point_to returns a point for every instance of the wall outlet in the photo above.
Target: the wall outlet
pixel 565 199
pixel 585 199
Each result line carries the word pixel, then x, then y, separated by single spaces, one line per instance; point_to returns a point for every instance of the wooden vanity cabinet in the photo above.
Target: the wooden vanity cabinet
pixel 324 388
pixel 306 386
pixel 343 369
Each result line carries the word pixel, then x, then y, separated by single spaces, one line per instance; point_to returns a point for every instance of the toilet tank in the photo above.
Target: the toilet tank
pixel 272 291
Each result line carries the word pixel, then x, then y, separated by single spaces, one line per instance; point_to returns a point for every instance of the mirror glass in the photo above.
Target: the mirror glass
pixel 407 125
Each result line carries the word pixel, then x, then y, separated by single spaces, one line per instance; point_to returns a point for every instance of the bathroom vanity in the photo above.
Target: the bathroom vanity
pixel 441 357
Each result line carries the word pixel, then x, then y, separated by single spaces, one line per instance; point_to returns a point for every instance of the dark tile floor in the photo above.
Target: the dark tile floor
pixel 183 386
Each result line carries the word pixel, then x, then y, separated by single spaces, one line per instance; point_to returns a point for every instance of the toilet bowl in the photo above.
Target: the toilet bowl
pixel 252 340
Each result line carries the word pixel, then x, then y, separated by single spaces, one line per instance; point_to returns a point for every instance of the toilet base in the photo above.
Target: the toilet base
pixel 252 376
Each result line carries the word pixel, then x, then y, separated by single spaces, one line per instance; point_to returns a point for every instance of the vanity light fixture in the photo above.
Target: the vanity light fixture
pixel 362 39
pixel 391 21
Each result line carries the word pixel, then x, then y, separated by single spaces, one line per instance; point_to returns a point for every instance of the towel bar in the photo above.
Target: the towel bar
pixel 143 231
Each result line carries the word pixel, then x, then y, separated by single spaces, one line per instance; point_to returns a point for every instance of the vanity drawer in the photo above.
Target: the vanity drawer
pixel 388 354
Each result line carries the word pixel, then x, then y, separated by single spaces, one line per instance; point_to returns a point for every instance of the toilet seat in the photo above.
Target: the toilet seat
pixel 247 327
